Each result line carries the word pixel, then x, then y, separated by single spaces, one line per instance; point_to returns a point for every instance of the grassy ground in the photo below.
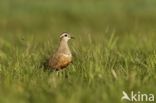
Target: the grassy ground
pixel 114 50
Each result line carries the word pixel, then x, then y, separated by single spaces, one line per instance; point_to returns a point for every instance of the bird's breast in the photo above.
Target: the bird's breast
pixel 61 61
pixel 67 55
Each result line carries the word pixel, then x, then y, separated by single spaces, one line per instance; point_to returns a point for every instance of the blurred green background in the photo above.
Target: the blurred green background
pixel 79 16
pixel 114 50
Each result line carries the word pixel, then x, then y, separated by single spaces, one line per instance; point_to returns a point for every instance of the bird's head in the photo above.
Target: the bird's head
pixel 66 36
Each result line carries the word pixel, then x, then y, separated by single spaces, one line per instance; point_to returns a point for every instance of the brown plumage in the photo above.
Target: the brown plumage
pixel 63 56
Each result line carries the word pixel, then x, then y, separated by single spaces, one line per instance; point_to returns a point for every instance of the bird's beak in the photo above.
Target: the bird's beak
pixel 72 37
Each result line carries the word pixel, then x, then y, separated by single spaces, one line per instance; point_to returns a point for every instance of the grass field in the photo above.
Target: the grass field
pixel 114 50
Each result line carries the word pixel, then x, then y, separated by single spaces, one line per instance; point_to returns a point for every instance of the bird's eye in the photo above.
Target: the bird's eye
pixel 65 35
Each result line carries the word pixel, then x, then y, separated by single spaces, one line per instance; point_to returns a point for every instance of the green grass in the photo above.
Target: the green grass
pixel 114 50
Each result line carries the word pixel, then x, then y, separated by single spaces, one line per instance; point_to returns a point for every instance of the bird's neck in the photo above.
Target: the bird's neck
pixel 63 47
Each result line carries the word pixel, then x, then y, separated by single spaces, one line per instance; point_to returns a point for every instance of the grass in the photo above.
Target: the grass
pixel 114 50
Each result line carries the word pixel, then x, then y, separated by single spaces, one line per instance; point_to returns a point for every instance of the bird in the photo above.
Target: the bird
pixel 63 56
